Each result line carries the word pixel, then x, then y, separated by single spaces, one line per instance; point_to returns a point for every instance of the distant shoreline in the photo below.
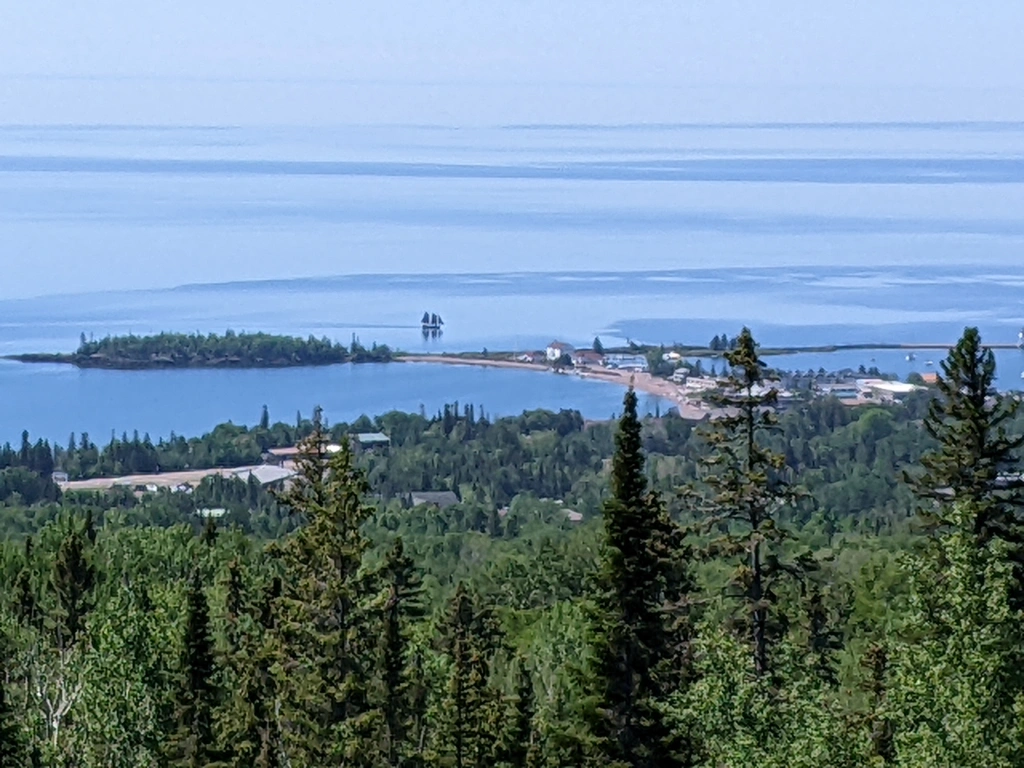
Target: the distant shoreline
pixel 640 381
pixel 501 359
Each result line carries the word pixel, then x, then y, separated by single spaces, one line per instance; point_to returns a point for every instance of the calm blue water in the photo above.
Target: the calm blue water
pixel 52 401
pixel 810 234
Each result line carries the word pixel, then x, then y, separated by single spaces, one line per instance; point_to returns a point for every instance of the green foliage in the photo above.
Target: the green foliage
pixel 333 624
pixel 975 459
pixel 248 350
pixel 470 710
pixel 640 628
pixel 748 720
pixel 746 493
pixel 401 607
pixel 323 608
pixel 956 688
pixel 12 740
pixel 196 698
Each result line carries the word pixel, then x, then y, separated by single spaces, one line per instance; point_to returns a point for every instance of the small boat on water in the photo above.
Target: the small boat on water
pixel 911 357
pixel 432 323
pixel 928 362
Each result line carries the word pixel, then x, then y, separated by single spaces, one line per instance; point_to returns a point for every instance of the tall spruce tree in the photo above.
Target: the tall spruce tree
pixel 744 491
pixel 471 638
pixel 249 727
pixel 192 745
pixel 519 747
pixel 402 606
pixel 641 632
pixel 73 579
pixel 325 617
pixel 976 460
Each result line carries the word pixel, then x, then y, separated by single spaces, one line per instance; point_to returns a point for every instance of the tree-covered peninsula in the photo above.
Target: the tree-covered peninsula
pixel 231 350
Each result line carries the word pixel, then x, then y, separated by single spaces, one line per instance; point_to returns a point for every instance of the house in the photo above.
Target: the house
pixel 213 512
pixel 930 379
pixel 701 383
pixel 556 349
pixel 626 362
pixel 841 390
pixel 680 375
pixel 439 499
pixel 267 474
pixel 885 391
pixel 371 442
pixel 531 357
pixel 280 456
pixel 59 477
pixel 587 358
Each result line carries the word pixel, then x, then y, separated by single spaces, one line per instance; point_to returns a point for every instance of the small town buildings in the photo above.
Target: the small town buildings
pixel 556 349
pixel 626 362
pixel 885 391
pixel 843 390
pixel 439 499
pixel 701 384
pixel 265 475
pixel 214 512
pixel 281 456
pixel 371 442
pixel 587 358
pixel 532 357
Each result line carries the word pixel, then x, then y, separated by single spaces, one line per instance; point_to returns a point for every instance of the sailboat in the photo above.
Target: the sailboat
pixel 432 321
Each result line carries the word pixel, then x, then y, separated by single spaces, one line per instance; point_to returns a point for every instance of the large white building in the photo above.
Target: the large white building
pixel 556 349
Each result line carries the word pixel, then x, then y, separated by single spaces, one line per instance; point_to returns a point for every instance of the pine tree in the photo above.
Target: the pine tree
pixel 324 612
pixel 402 605
pixel 876 663
pixel 249 728
pixel 471 639
pixel 640 625
pixel 73 579
pixel 744 491
pixel 824 634
pixel 26 603
pixel 520 744
pixel 976 460
pixel 192 745
pixel 209 535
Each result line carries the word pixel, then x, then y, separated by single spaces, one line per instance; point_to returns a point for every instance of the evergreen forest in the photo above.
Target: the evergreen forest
pixel 240 350
pixel 827 587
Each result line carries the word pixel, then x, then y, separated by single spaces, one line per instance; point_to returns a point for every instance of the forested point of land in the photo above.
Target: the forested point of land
pixel 826 588
pixel 239 350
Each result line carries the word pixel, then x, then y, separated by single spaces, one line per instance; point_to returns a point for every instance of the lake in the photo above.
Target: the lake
pixel 516 235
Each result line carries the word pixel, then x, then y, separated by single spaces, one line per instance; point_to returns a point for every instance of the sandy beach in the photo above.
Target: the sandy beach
pixel 642 382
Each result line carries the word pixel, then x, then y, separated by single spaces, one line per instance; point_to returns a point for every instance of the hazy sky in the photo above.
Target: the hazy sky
pixel 487 61
pixel 458 63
